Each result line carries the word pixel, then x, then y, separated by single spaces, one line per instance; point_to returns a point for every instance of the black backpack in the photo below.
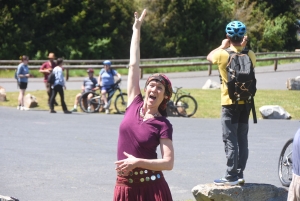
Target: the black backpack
pixel 241 79
pixel 51 78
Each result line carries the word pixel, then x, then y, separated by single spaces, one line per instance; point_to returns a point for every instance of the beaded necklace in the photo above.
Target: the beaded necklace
pixel 145 117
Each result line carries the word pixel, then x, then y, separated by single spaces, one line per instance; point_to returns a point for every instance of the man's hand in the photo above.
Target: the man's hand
pixel 244 42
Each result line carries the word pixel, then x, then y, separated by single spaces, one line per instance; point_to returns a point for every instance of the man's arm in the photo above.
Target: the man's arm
pixel 43 69
pixel 225 44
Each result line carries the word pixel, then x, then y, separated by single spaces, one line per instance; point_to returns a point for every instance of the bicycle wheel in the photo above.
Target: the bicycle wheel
pixel 94 103
pixel 121 103
pixel 285 164
pixel 186 106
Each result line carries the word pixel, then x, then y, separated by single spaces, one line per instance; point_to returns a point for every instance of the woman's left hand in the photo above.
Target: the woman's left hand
pixel 126 165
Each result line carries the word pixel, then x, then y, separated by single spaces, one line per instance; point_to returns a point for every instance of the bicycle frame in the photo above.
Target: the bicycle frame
pixel 178 92
pixel 111 92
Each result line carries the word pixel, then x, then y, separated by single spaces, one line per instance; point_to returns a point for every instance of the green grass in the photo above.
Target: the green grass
pixel 208 101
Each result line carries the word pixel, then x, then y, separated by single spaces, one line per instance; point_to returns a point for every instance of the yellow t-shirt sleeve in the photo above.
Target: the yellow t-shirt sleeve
pixel 252 57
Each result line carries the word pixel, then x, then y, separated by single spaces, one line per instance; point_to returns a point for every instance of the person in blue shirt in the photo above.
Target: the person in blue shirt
pixel 107 79
pixel 22 77
pixel 294 189
pixel 58 87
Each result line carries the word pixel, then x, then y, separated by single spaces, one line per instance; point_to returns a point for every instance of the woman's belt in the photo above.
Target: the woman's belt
pixel 138 176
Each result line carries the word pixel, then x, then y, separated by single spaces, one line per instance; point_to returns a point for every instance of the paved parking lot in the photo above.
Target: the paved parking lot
pixel 71 157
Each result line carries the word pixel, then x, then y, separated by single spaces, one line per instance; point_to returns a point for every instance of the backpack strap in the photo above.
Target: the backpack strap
pixel 245 51
pixel 230 52
pixel 253 110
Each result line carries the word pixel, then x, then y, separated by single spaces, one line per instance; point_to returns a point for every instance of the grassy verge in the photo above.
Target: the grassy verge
pixel 208 101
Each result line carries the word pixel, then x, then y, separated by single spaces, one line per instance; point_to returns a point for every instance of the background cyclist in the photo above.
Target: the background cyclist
pixel 106 79
pixel 89 84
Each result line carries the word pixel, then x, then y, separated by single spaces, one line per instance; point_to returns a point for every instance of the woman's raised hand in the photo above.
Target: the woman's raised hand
pixel 138 20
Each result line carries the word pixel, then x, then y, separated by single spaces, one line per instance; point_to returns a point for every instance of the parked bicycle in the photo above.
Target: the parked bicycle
pixel 182 104
pixel 285 164
pixel 96 101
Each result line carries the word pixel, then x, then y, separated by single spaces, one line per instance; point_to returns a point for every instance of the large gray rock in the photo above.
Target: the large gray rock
pixel 7 198
pixel 209 84
pixel 247 192
pixel 274 112
pixel 2 94
pixel 30 101
pixel 293 83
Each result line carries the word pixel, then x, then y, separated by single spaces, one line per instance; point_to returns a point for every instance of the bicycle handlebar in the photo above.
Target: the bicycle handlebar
pixel 111 86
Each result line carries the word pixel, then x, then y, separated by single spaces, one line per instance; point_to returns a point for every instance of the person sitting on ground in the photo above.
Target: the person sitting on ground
pixel 106 78
pixel 89 84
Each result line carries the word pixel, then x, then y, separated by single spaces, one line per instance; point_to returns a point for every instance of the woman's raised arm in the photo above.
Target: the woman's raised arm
pixel 133 87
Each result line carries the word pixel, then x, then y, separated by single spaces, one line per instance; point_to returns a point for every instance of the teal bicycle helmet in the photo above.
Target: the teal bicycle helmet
pixel 235 29
pixel 106 62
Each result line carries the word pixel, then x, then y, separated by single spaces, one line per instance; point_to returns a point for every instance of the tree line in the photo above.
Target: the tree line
pixel 101 29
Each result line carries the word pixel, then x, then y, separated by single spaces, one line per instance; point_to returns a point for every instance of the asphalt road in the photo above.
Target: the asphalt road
pixel 71 157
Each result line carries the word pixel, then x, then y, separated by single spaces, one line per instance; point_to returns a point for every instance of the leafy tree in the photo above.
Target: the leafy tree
pixel 270 24
pixel 91 29
pixel 181 28
pixel 73 29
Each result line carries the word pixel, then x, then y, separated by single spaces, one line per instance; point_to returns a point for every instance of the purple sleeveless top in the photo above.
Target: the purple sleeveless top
pixel 141 138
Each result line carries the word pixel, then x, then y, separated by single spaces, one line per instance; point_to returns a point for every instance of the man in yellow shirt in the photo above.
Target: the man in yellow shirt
pixel 234 119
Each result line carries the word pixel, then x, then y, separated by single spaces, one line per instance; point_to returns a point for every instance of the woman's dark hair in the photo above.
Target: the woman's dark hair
pixel 59 61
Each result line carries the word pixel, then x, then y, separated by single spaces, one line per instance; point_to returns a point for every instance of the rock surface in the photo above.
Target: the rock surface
pixel 274 112
pixel 30 101
pixel 2 94
pixel 247 192
pixel 209 84
pixel 293 83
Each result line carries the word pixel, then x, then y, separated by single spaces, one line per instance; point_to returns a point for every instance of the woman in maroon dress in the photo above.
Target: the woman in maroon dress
pixel 143 129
